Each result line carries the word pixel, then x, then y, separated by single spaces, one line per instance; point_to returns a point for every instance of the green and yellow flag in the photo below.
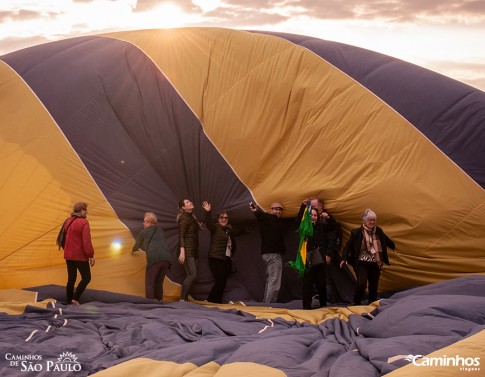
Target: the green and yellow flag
pixel 305 230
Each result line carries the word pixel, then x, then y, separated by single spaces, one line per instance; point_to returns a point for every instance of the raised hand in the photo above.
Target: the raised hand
pixel 207 206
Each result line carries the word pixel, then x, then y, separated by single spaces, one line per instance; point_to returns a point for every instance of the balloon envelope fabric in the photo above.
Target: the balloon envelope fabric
pixel 135 121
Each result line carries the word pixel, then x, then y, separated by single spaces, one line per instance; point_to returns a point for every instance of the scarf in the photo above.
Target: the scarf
pixel 373 243
pixel 78 214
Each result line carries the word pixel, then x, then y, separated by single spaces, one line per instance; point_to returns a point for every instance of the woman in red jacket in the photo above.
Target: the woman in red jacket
pixel 78 252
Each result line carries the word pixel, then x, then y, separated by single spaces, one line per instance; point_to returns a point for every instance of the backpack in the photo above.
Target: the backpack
pixel 61 237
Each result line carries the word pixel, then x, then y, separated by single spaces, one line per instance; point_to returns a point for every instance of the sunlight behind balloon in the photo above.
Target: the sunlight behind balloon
pixel 115 247
pixel 166 15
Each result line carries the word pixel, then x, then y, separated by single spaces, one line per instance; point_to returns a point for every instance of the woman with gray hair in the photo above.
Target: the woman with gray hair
pixel 151 240
pixel 366 251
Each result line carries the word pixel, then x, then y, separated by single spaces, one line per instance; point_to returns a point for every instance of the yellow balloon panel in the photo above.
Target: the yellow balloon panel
pixel 33 149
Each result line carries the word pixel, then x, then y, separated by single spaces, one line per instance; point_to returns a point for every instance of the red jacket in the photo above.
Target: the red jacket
pixel 78 240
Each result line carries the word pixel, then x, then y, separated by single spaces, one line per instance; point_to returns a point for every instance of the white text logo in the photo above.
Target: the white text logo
pixel 463 363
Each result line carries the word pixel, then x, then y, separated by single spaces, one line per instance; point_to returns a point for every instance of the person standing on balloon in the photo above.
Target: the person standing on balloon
pixel 151 240
pixel 78 252
pixel 366 251
pixel 221 251
pixel 188 229
pixel 320 251
pixel 272 247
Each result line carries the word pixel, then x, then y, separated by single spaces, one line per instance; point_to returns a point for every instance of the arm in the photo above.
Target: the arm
pixel 183 226
pixel 138 243
pixel 208 217
pixel 389 242
pixel 347 250
pixel 87 245
pixel 299 216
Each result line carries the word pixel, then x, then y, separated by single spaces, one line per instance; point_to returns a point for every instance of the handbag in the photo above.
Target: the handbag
pixel 315 258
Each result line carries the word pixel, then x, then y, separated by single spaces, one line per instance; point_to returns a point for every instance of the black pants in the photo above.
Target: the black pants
pixel 154 278
pixel 220 271
pixel 315 276
pixel 85 270
pixel 367 272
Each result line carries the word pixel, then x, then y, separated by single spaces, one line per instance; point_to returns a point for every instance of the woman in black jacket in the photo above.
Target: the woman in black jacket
pixel 320 248
pixel 188 228
pixel 221 250
pixel 366 251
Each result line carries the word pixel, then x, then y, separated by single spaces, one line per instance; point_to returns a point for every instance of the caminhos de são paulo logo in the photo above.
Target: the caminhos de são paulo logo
pixel 66 362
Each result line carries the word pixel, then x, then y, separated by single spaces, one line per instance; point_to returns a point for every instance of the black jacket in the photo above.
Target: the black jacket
pixel 219 238
pixel 352 247
pixel 188 234
pixel 325 235
pixel 272 234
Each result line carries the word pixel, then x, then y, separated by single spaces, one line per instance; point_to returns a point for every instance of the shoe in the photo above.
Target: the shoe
pixel 75 302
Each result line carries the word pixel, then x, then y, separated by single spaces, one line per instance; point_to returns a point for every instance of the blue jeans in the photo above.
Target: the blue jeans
pixel 274 269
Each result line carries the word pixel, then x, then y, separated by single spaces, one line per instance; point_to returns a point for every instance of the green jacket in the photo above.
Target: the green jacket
pixel 152 241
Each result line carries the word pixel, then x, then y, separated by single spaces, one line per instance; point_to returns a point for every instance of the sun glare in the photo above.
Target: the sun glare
pixel 116 247
pixel 166 15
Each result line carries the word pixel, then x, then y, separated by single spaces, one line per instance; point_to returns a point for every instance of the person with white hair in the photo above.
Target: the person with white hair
pixel 366 251
pixel 152 241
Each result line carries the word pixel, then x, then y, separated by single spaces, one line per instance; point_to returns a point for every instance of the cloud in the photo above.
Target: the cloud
pixel 148 5
pixel 464 11
pixel 21 15
pixel 244 17
pixel 436 11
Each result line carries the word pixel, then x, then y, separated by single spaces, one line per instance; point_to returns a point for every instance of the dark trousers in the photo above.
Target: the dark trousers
pixel 315 276
pixel 72 267
pixel 367 272
pixel 220 271
pixel 191 266
pixel 154 278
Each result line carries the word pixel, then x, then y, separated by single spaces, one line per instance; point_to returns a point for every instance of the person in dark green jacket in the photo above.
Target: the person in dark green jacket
pixel 188 228
pixel 151 240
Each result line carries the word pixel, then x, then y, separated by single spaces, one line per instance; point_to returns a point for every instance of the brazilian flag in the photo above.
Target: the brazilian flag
pixel 305 230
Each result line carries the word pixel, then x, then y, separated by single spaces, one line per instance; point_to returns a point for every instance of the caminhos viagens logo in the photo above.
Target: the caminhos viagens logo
pixel 466 364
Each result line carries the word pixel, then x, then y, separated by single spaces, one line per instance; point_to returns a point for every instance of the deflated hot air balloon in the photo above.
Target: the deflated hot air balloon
pixel 135 121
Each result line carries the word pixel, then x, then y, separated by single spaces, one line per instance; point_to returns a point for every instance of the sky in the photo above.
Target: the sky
pixel 446 36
